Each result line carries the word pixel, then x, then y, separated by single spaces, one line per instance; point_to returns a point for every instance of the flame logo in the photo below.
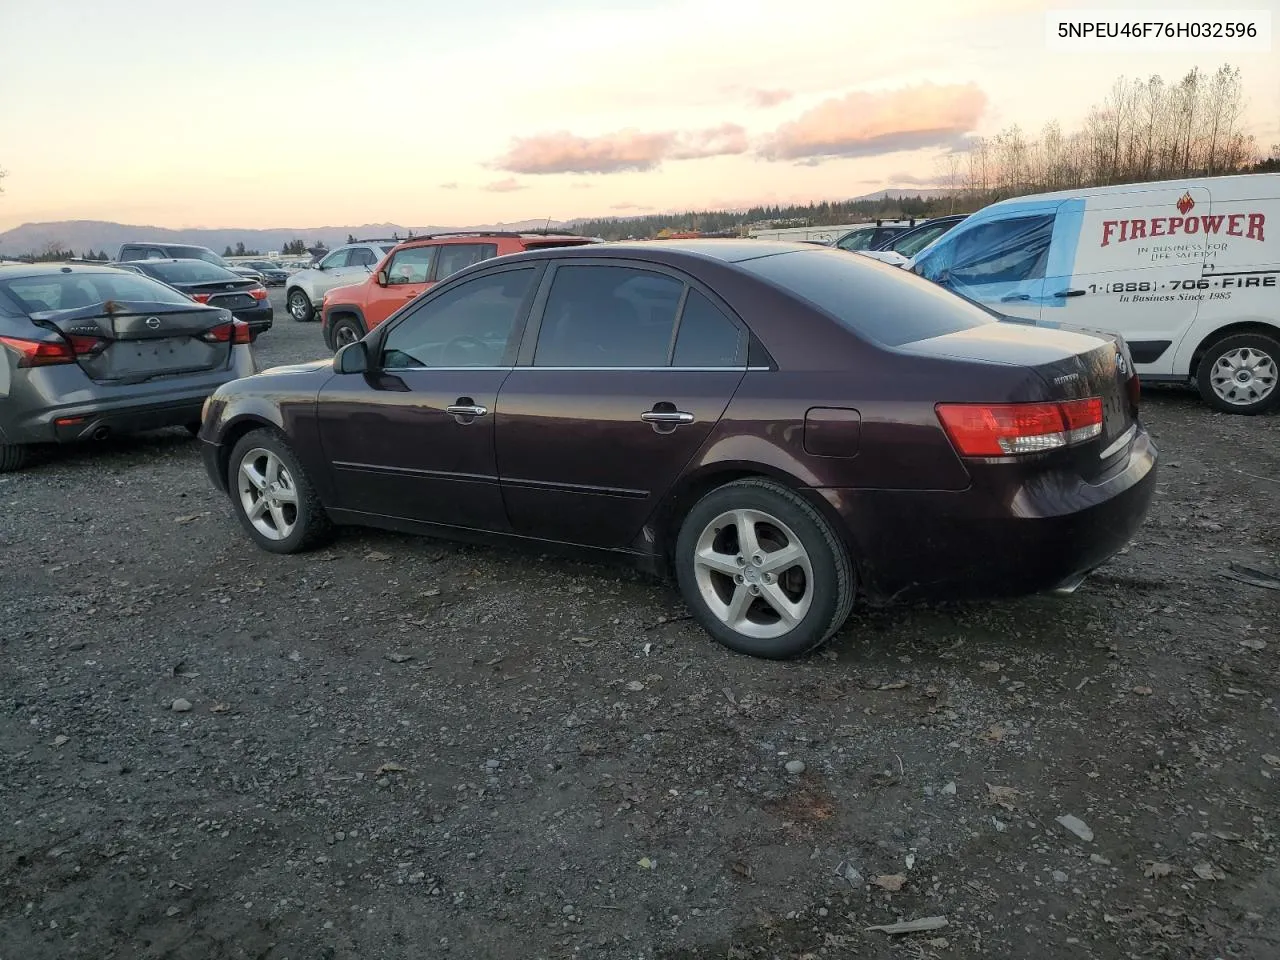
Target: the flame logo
pixel 1185 203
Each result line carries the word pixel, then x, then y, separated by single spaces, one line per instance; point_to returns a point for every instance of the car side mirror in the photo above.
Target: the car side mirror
pixel 352 358
pixel 381 278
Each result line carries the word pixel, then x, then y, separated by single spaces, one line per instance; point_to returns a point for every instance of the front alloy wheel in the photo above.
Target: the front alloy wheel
pixel 267 494
pixel 300 307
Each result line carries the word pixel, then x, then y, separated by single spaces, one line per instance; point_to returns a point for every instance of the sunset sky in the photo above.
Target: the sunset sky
pixel 297 113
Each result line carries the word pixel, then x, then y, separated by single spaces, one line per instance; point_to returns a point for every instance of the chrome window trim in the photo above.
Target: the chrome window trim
pixel 588 369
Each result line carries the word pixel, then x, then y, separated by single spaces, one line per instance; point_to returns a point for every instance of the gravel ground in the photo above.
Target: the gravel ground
pixel 398 747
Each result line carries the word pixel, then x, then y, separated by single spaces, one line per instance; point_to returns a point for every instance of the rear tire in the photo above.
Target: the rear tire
pixel 273 497
pixel 1241 374
pixel 777 593
pixel 299 306
pixel 12 457
pixel 345 329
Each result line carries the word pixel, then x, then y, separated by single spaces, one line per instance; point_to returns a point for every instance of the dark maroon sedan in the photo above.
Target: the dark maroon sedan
pixel 783 427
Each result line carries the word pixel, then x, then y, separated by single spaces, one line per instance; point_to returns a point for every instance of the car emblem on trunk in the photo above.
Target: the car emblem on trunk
pixel 152 322
pixel 231 286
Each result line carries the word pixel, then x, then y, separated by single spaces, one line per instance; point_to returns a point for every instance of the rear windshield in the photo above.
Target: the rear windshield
pixel 879 302
pixel 195 253
pixel 69 291
pixel 190 271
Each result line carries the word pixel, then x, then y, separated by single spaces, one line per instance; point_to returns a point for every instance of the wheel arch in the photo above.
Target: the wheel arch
pixel 690 489
pixel 235 428
pixel 1258 325
pixel 335 312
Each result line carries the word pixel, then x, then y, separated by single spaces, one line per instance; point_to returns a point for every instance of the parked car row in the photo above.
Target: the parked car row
pixel 780 427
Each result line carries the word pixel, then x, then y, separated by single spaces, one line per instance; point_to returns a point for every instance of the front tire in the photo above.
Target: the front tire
pixel 12 457
pixel 273 497
pixel 762 571
pixel 1241 374
pixel 343 330
pixel 300 306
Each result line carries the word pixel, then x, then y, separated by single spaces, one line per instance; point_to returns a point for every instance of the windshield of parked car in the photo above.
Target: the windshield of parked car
pixel 190 271
pixel 879 302
pixel 912 244
pixel 70 291
pixel 856 239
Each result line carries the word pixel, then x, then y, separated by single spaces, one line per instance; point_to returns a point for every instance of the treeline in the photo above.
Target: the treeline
pixel 1144 130
pixel 53 252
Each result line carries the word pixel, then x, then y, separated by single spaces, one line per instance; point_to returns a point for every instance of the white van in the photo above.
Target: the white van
pixel 1186 271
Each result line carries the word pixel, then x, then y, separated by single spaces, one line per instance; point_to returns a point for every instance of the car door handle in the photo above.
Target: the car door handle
pixel 466 410
pixel 1070 293
pixel 666 416
pixel 1011 297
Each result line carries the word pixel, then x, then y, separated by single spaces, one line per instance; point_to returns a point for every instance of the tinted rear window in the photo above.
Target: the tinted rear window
pixel 191 271
pixel 879 302
pixel 69 291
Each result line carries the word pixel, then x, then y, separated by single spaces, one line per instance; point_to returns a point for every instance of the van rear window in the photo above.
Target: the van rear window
pixel 877 301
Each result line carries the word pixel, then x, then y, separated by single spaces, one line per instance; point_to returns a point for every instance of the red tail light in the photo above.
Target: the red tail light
pixel 86 346
pixel 40 353
pixel 1007 429
pixel 259 293
pixel 237 331
pixel 200 297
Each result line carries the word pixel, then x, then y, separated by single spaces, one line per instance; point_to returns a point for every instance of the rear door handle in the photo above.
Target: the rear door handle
pixel 466 410
pixel 1070 293
pixel 1011 297
pixel 666 416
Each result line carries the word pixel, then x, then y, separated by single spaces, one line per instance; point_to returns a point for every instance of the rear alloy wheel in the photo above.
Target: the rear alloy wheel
pixel 300 307
pixel 344 330
pixel 12 457
pixel 763 571
pixel 1241 374
pixel 272 496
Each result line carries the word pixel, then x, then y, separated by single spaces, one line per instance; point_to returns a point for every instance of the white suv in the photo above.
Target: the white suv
pixel 350 263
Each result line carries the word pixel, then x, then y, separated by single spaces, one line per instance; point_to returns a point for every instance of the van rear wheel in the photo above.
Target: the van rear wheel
pixel 1241 374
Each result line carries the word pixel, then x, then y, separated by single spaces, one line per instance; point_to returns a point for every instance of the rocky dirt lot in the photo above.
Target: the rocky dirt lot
pixel 398 747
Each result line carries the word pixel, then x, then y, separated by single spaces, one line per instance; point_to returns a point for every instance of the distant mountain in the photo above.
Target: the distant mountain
pixel 83 235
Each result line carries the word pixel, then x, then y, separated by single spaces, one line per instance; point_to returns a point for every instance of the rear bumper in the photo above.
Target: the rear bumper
pixel 970 544
pixel 60 404
pixel 258 317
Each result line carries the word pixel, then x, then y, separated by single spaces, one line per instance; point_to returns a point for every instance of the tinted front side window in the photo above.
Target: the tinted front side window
pixel 468 326
pixel 336 259
pixel 912 242
pixel 608 317
pixel 707 338
pixel 362 257
pixel 457 256
pixel 411 266
pixel 858 240
pixel 879 302
pixel 1003 251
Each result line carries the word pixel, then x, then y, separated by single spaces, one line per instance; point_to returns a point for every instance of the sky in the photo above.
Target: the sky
pixel 299 113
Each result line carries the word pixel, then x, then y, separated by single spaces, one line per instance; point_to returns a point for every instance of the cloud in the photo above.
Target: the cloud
pixel 629 206
pixel 504 186
pixel 451 185
pixel 867 124
pixel 618 152
pixel 768 98
pixel 581 185
pixel 724 140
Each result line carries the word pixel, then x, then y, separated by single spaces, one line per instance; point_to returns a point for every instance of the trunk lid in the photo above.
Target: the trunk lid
pixel 1071 366
pixel 229 294
pixel 132 342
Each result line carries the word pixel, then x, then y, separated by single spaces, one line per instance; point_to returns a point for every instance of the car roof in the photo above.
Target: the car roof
pixel 9 270
pixel 723 250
